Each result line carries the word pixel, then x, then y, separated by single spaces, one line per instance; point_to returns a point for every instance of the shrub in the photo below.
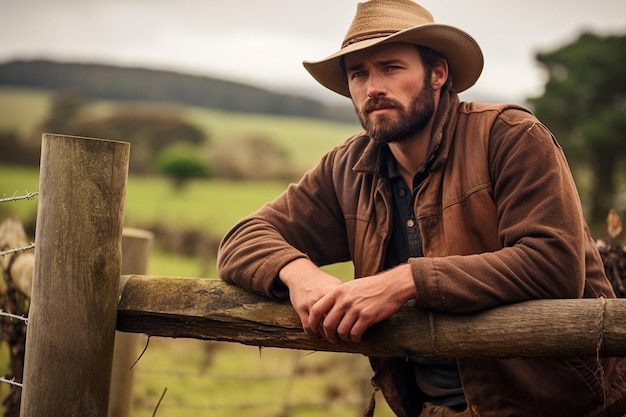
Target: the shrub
pixel 252 157
pixel 182 162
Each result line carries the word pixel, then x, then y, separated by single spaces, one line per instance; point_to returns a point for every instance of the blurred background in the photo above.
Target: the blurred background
pixel 221 116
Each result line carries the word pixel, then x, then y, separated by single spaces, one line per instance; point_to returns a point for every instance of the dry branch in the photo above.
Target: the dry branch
pixel 213 310
pixel 17 275
pixel 19 262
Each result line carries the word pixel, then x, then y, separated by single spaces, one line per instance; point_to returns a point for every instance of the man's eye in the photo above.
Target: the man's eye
pixel 357 74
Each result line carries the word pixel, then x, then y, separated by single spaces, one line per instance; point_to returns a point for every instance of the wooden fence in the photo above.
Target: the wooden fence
pixel 78 301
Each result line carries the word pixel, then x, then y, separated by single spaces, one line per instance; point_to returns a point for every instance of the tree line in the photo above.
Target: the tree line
pixel 163 142
pixel 109 82
pixel 584 105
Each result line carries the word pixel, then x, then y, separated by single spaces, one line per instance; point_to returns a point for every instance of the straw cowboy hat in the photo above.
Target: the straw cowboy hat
pixel 384 21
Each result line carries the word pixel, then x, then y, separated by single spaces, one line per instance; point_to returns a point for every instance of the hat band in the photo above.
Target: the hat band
pixel 367 36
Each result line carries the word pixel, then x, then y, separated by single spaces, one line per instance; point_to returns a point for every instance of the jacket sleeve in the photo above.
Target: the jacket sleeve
pixel 301 222
pixel 545 242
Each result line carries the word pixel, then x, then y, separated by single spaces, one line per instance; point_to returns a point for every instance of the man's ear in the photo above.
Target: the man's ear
pixel 439 74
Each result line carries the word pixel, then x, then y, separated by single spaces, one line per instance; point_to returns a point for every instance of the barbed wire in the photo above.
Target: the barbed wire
pixel 14 316
pixel 18 250
pixel 15 197
pixel 11 382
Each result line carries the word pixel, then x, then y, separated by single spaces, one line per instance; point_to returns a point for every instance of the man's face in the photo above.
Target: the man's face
pixel 391 91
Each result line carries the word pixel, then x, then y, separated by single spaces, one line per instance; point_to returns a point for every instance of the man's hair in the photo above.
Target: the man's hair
pixel 430 59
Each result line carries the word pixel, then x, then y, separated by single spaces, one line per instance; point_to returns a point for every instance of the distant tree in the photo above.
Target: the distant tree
pixel 181 163
pixel 65 108
pixel 584 104
pixel 253 157
pixel 148 131
pixel 15 150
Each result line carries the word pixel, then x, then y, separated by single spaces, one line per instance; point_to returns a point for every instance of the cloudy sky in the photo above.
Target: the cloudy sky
pixel 263 42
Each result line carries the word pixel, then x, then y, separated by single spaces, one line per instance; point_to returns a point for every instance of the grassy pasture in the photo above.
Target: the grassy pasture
pixel 22 109
pixel 306 140
pixel 212 206
pixel 210 378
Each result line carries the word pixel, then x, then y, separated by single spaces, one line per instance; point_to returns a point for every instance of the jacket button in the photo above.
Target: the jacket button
pixel 410 223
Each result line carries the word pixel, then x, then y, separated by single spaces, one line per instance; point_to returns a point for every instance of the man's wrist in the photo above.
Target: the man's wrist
pixel 293 270
pixel 403 282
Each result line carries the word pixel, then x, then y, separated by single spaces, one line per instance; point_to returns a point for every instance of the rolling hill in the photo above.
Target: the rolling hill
pixel 100 81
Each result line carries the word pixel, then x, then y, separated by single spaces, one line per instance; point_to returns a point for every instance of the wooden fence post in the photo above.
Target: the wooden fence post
pixel 136 245
pixel 72 319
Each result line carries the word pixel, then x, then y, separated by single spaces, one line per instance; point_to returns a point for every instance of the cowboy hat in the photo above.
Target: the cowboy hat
pixel 384 21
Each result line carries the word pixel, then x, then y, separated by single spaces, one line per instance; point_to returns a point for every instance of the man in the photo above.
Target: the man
pixel 459 206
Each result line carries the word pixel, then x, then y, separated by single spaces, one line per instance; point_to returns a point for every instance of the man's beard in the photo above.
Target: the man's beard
pixel 410 121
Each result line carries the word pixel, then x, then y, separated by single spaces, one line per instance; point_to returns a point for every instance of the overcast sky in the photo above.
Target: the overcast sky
pixel 263 42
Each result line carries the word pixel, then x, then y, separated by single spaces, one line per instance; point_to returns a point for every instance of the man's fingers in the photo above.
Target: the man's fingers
pixel 330 324
pixel 357 331
pixel 318 313
pixel 346 328
pixel 303 314
pixel 306 327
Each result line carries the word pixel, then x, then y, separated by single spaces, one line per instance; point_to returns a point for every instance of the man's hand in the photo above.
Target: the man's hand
pixel 349 310
pixel 344 311
pixel 307 283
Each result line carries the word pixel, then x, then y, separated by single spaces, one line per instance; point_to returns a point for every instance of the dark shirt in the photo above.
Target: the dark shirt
pixel 438 378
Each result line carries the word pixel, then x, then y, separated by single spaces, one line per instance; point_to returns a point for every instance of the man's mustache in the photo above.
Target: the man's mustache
pixel 375 103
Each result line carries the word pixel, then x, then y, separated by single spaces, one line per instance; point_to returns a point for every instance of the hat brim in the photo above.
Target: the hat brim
pixel 465 59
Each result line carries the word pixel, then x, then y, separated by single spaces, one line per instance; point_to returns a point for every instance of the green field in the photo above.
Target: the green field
pixel 219 379
pixel 212 206
pixel 211 378
pixel 306 140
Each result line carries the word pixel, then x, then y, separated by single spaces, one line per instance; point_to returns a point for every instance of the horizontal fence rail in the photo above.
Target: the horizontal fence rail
pixel 214 310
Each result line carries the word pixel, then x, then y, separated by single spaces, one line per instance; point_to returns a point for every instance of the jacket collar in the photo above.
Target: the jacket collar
pixel 373 156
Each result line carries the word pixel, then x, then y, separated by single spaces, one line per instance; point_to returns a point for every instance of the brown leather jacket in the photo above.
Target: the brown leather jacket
pixel 501 223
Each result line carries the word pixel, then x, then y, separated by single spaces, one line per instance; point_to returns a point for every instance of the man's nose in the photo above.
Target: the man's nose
pixel 375 85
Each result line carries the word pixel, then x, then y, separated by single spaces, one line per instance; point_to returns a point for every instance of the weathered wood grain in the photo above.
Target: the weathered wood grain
pixel 71 327
pixel 213 310
pixel 136 247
